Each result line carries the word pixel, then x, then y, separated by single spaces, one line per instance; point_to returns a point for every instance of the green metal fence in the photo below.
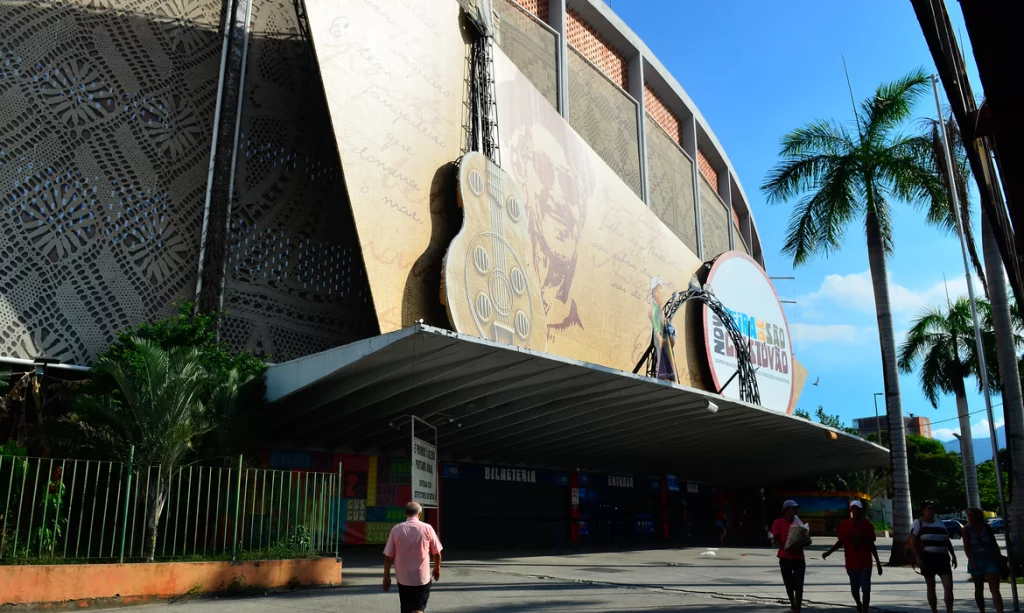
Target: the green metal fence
pixel 102 511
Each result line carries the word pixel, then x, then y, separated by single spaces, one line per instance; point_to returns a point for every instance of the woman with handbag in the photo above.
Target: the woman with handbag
pixel 984 558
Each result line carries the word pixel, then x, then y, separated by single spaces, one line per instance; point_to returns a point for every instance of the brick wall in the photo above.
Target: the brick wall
pixel 707 169
pixel 537 7
pixel 664 117
pixel 596 49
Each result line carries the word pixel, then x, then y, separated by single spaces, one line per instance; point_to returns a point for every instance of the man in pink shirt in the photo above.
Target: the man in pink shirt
pixel 410 548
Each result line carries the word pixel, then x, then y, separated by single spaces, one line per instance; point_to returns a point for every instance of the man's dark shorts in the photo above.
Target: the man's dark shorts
pixel 935 564
pixel 413 597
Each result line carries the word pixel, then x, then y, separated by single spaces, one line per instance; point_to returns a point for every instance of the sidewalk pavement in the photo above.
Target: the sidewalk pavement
pixel 690 580
pixel 742 574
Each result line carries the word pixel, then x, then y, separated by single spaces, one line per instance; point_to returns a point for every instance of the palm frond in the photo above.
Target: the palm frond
pixel 926 330
pixel 892 104
pixel 820 219
pixel 820 137
pixel 792 176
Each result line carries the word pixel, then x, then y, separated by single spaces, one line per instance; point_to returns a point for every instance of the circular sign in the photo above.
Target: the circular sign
pixel 747 293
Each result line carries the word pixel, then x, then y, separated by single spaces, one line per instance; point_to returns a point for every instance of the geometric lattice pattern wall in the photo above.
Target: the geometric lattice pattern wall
pixel 296 282
pixel 106 114
pixel 670 179
pixel 714 219
pixel 585 39
pixel 531 47
pixel 606 119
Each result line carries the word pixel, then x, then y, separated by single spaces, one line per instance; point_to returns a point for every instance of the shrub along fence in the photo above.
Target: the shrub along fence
pixel 64 510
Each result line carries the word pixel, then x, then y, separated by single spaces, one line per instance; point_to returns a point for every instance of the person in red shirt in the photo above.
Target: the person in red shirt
pixel 791 561
pixel 857 537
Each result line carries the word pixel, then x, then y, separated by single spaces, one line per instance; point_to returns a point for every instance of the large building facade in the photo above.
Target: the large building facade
pixel 107 115
pixel 342 262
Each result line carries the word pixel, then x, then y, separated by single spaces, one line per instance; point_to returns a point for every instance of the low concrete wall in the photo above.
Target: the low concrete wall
pixel 62 583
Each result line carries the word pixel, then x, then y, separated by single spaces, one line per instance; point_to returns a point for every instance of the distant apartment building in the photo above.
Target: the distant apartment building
pixel 921 426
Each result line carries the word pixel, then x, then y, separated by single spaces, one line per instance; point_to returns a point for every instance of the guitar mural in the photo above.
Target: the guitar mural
pixel 489 286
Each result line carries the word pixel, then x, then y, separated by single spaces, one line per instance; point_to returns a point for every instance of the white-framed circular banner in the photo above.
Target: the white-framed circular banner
pixel 747 293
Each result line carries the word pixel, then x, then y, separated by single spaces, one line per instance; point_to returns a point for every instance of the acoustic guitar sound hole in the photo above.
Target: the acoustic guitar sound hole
pixel 515 210
pixel 522 323
pixel 518 281
pixel 483 306
pixel 481 260
pixel 476 182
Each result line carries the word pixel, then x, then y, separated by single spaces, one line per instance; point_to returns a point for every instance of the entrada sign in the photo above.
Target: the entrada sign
pixel 749 296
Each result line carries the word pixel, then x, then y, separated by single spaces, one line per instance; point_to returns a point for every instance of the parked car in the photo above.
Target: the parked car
pixel 953 527
pixel 996 524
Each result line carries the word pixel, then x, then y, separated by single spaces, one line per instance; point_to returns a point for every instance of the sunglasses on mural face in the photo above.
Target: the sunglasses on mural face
pixel 548 172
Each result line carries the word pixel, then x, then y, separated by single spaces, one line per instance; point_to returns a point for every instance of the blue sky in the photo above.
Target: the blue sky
pixel 759 69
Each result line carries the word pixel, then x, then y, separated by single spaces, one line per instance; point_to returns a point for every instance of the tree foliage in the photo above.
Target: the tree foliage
pixel 935 474
pixel 231 391
pixel 162 405
pixel 941 344
pixel 188 329
pixel 845 171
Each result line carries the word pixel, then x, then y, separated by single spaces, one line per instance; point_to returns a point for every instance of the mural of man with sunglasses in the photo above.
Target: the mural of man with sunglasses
pixel 555 179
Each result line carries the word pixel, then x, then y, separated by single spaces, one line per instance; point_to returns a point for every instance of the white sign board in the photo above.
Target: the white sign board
pixel 424 473
pixel 745 290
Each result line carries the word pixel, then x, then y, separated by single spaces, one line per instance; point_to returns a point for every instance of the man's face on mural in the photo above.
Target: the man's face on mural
pixel 556 199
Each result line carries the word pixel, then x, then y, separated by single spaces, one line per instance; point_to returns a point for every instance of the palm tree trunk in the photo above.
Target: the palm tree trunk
pixel 157 498
pixel 1013 410
pixel 901 513
pixel 967 448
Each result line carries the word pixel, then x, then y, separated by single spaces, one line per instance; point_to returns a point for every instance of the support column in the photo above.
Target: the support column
pixel 636 89
pixel 557 19
pixel 223 156
pixel 725 191
pixel 574 508
pixel 688 127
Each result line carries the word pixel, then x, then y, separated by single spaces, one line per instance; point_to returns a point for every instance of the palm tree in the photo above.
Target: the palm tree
pixel 1005 319
pixel 845 176
pixel 941 344
pixel 163 405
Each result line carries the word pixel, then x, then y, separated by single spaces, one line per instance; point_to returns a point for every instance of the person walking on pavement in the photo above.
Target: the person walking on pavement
pixel 791 559
pixel 411 546
pixel 857 538
pixel 720 526
pixel 933 550
pixel 983 557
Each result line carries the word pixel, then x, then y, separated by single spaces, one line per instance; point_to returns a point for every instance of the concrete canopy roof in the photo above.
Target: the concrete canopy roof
pixel 499 404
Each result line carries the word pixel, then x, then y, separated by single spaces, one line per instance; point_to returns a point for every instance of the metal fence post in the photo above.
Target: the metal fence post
pixel 238 506
pixel 127 498
pixel 339 518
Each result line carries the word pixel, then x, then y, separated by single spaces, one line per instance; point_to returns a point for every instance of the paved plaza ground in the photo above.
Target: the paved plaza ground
pixel 690 580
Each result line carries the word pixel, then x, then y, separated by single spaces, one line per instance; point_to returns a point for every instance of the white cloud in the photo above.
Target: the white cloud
pixel 978 430
pixel 805 334
pixel 854 292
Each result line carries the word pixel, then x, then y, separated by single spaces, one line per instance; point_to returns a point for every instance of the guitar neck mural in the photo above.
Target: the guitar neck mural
pixel 489 286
